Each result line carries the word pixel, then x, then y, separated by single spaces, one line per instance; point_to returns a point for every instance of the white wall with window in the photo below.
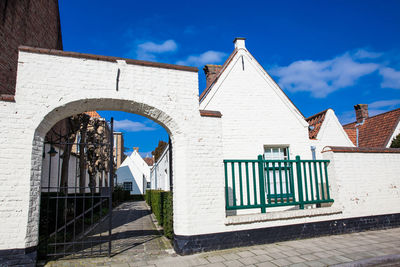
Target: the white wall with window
pixel 133 174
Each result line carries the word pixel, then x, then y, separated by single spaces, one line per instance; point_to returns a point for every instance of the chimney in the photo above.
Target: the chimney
pixel 136 149
pixel 211 72
pixel 361 112
pixel 239 42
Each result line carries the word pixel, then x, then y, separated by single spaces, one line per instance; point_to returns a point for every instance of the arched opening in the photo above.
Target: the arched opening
pixel 77 199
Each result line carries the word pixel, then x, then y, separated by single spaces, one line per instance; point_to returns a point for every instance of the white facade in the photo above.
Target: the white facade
pixel 134 173
pixel 331 133
pixel 160 172
pixel 255 114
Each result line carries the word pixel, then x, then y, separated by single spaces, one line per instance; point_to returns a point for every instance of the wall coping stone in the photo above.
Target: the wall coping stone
pixel 210 113
pixel 55 52
pixel 281 215
pixel 7 98
pixel 360 149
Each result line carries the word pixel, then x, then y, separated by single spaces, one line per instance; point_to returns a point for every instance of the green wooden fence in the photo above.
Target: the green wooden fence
pixel 264 183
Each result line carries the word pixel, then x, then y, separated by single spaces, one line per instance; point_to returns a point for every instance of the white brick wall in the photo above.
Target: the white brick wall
pixel 365 184
pixel 50 88
pixel 255 112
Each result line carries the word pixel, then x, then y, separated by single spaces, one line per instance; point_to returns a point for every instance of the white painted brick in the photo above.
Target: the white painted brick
pixel 50 88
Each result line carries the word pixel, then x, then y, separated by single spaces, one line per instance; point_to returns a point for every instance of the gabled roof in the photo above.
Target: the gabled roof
pixel 226 63
pixel 315 121
pixel 376 131
pixel 225 66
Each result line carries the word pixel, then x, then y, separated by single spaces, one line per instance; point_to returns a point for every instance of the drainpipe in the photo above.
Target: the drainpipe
pixel 313 152
pixel 357 131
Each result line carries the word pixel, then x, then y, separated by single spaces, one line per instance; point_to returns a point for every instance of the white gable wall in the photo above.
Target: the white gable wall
pixel 255 112
pixel 395 133
pixel 160 172
pixel 330 134
pixel 133 170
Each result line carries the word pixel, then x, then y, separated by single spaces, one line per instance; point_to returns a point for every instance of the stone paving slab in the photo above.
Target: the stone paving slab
pixel 151 249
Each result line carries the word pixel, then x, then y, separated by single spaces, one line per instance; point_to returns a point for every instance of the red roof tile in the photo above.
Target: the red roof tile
pixel 149 161
pixel 376 131
pixel 93 114
pixel 315 122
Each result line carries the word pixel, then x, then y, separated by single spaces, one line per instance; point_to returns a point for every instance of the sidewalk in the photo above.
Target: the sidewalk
pixel 356 249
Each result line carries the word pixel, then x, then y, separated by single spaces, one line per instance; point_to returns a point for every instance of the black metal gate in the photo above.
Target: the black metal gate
pixel 76 192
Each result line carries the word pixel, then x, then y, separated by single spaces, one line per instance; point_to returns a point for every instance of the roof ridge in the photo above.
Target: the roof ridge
pixel 373 116
pixel 223 67
pixel 317 114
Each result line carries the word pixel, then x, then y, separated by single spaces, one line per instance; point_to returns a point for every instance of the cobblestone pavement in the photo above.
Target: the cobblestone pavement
pixel 141 245
pixel 134 238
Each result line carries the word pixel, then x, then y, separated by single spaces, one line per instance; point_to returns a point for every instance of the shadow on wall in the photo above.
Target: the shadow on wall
pixel 230 194
pixel 125 175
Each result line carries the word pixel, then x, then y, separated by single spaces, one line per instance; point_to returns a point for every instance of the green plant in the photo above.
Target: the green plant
pixel 168 215
pixel 157 205
pixel 147 197
pixel 160 203
pixel 396 142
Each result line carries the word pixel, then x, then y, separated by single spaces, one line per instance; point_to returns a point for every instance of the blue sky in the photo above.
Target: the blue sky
pixel 323 54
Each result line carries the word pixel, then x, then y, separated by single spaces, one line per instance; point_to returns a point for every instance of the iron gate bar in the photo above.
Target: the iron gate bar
pixel 65 199
pixel 111 183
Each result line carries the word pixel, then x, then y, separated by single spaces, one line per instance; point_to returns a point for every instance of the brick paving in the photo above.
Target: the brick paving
pixel 139 244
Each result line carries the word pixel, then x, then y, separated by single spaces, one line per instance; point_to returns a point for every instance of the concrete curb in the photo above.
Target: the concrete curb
pixel 376 261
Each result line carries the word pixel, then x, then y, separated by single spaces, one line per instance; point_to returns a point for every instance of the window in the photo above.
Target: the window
pixel 128 186
pixel 279 175
pixel 278 153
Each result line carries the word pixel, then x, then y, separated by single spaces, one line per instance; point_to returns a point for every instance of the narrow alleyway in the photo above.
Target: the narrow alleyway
pixel 134 238
pixel 136 242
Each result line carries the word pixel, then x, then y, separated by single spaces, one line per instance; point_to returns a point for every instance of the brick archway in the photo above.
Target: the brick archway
pixel 52 85
pixel 76 107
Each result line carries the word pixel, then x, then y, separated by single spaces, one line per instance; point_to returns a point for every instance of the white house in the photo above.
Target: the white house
pixel 258 117
pixel 160 172
pixel 134 174
pixel 242 113
pixel 326 130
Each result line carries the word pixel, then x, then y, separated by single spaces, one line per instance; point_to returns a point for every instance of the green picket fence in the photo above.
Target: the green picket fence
pixel 283 183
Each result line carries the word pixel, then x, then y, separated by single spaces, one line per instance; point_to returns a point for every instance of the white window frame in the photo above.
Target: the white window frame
pixel 127 186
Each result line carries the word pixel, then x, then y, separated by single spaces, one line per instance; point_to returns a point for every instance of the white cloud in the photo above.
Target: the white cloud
pixel 382 106
pixel 391 78
pixel 385 103
pixel 150 50
pixel 365 54
pixel 131 126
pixel 321 78
pixel 209 57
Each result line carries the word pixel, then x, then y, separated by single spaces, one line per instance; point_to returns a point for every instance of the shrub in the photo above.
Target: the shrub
pixel 168 215
pixel 157 205
pixel 147 197
pixel 396 142
pixel 161 205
